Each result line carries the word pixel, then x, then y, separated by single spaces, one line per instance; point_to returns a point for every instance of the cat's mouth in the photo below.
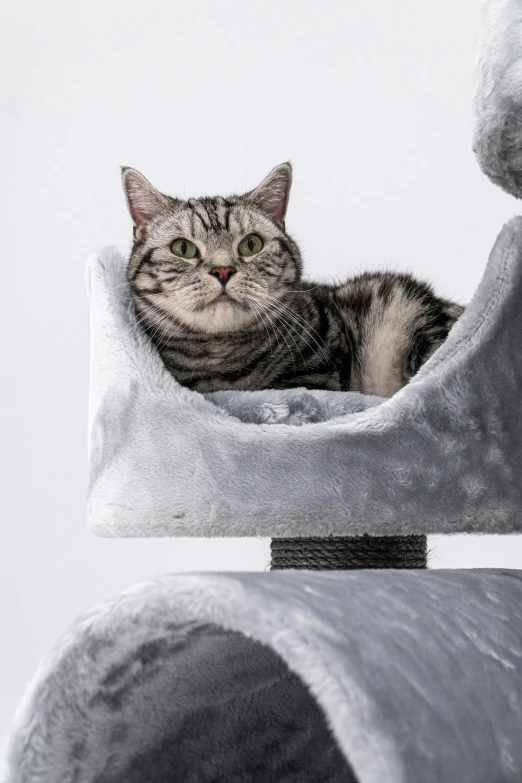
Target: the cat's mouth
pixel 225 302
pixel 224 298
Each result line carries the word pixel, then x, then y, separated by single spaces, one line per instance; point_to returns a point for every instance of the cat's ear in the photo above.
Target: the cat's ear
pixel 271 196
pixel 143 200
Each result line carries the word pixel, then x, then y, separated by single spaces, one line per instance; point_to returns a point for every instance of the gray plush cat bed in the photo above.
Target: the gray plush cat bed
pixel 444 455
pixel 294 677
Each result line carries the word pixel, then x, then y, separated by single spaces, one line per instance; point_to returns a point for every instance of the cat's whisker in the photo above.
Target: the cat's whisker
pixel 257 310
pixel 265 316
pixel 138 323
pixel 291 327
pixel 158 319
pixel 286 342
pixel 141 319
pixel 293 312
pixel 288 325
pixel 275 330
pixel 302 290
pixel 180 309
pixel 300 324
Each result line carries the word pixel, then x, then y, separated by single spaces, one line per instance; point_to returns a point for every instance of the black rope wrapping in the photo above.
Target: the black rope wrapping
pixel 346 553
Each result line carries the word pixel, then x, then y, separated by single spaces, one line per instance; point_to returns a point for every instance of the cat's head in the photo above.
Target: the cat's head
pixel 214 265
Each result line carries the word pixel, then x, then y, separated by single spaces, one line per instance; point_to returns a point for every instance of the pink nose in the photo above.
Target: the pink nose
pixel 223 273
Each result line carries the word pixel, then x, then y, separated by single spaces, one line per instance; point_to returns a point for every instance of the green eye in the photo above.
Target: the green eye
pixel 250 245
pixel 184 248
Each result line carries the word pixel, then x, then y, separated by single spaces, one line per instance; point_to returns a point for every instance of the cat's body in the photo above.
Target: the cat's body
pixel 236 314
pixel 369 335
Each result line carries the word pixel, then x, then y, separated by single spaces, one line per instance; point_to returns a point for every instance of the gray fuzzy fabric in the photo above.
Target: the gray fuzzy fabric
pixel 498 94
pixel 296 407
pixel 444 455
pixel 418 675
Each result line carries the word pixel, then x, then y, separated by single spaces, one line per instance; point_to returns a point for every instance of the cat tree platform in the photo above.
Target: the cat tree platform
pixel 444 455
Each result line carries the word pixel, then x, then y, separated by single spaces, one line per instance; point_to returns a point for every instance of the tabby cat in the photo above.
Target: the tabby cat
pixel 217 285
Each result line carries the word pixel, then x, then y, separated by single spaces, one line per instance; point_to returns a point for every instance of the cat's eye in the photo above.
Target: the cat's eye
pixel 184 248
pixel 250 245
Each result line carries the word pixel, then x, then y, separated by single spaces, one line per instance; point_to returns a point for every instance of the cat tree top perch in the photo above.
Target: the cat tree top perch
pixel 443 455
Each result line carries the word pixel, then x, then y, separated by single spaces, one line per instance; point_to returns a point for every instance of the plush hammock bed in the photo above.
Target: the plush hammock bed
pixel 168 461
pixel 353 677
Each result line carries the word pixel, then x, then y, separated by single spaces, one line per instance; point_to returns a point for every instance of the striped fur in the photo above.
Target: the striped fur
pixel 266 328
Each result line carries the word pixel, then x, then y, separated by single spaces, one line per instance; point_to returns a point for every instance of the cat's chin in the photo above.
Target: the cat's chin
pixel 221 316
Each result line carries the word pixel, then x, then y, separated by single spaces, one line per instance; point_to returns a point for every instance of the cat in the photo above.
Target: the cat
pixel 217 284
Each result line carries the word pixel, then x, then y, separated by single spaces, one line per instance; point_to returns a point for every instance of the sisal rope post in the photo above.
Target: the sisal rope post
pixel 347 553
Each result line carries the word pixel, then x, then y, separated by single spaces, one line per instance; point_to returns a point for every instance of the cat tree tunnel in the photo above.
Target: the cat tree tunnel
pixel 300 677
pixel 356 676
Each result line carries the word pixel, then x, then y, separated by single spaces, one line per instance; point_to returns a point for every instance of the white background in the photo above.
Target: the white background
pixel 370 101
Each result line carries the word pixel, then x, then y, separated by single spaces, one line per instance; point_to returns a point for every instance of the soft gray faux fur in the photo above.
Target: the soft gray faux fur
pixel 418 674
pixel 444 455
pixel 498 94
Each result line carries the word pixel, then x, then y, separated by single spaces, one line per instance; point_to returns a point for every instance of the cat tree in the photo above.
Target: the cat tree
pixel 371 675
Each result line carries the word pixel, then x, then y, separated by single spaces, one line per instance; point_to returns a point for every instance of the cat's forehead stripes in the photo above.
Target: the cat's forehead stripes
pixel 215 217
pixel 212 213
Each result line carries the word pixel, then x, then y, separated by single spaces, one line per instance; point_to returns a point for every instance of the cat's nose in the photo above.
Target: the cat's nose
pixel 223 273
